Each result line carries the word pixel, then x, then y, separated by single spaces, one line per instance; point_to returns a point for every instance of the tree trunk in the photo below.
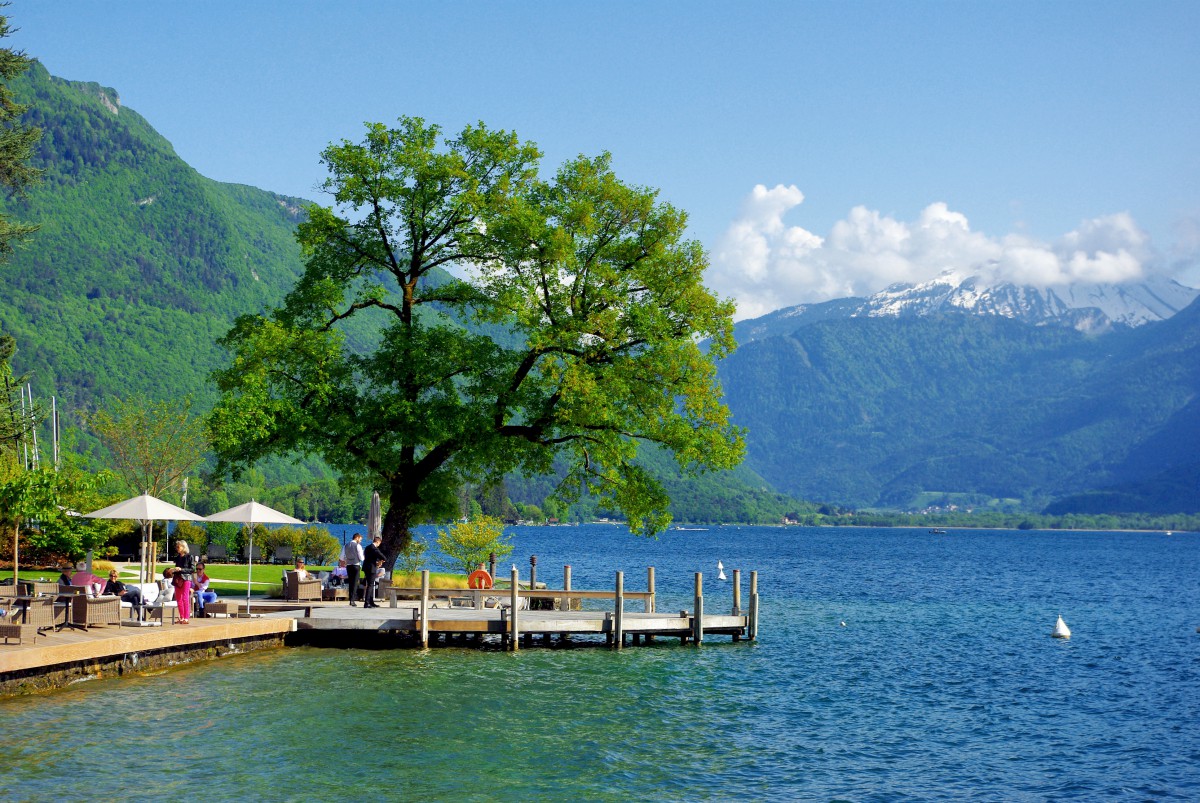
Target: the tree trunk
pixel 16 540
pixel 396 523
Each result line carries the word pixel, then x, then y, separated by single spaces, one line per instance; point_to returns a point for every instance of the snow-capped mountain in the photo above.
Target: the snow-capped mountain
pixel 1092 308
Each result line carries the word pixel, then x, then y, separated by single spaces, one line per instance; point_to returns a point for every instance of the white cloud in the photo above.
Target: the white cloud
pixel 765 264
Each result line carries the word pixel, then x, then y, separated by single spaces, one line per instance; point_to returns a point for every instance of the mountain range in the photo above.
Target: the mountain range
pixel 905 400
pixel 1089 308
pixel 949 392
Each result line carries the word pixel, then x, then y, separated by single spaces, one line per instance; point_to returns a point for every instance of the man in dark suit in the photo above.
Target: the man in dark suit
pixel 373 558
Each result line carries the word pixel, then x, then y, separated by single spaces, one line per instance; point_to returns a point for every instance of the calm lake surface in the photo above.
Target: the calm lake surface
pixel 943 683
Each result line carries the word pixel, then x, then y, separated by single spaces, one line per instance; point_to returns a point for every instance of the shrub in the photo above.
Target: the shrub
pixel 467 544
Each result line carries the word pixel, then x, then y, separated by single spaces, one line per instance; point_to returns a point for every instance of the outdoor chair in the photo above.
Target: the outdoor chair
pixel 43 613
pixel 155 605
pixel 215 553
pixel 149 597
pixel 95 611
pixel 295 589
pixel 11 626
pixel 283 554
pixel 41 588
pixel 255 555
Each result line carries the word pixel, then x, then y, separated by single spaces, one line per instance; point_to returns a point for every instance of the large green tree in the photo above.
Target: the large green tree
pixel 460 318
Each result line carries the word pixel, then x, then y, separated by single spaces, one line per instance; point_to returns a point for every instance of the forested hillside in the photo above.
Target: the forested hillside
pixel 141 263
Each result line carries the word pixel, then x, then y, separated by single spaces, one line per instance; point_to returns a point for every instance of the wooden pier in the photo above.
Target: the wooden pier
pixel 520 615
pixel 507 617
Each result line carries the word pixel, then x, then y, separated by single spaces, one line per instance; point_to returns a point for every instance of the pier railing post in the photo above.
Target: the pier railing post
pixel 514 604
pixel 424 608
pixel 752 625
pixel 565 605
pixel 619 613
pixel 737 599
pixel 650 589
pixel 698 614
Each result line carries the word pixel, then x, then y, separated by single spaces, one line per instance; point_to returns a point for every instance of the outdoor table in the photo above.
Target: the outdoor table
pixel 67 599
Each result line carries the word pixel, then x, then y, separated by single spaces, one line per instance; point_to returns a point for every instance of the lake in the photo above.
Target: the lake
pixel 892 664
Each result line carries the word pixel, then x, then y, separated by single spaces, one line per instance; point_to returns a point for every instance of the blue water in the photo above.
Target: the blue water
pixel 943 683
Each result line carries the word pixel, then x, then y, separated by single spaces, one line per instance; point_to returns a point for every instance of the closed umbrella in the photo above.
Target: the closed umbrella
pixel 145 509
pixel 374 518
pixel 252 513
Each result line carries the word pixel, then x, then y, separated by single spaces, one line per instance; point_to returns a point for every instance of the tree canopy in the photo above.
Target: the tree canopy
pixel 514 321
pixel 16 140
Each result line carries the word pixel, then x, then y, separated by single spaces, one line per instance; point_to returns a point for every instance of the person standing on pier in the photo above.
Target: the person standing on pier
pixel 185 568
pixel 352 554
pixel 373 558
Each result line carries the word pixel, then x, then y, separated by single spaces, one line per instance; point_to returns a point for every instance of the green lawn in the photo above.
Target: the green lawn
pixel 229 579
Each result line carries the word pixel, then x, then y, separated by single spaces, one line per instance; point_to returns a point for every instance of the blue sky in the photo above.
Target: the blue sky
pixel 1046 142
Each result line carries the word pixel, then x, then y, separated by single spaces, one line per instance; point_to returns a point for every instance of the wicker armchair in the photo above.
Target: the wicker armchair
pixel 44 613
pixel 295 589
pixel 10 624
pixel 93 611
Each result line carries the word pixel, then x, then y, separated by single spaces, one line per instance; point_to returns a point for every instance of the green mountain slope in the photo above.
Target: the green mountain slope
pixel 141 263
pixel 873 411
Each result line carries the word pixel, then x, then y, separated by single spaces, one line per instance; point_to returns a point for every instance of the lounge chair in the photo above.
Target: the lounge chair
pixel 154 603
pixel 283 554
pixel 295 589
pixel 215 553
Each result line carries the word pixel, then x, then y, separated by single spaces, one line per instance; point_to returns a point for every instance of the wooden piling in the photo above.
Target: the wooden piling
pixel 619 612
pixel 649 605
pixel 752 625
pixel 565 605
pixel 513 619
pixel 698 614
pixel 424 608
pixel 737 598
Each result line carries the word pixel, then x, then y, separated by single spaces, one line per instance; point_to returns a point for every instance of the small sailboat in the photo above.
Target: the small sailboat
pixel 1061 630
pixel 720 571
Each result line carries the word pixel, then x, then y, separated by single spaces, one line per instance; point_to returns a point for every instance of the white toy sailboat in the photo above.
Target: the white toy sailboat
pixel 720 571
pixel 1061 630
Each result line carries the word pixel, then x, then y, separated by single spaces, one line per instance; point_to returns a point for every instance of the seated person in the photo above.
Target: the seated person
pixel 127 593
pixel 301 570
pixel 339 575
pixel 64 578
pixel 200 583
pixel 168 586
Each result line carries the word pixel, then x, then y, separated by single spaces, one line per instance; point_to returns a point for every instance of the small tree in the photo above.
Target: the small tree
pixel 466 544
pixel 154 444
pixel 413 558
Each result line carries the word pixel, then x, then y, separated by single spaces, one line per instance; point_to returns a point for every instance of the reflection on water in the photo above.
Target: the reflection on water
pixel 942 682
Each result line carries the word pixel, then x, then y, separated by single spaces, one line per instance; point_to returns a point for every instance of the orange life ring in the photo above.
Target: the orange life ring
pixel 479 579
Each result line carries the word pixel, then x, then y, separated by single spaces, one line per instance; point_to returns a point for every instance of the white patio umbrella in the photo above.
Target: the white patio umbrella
pixel 252 513
pixel 145 509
